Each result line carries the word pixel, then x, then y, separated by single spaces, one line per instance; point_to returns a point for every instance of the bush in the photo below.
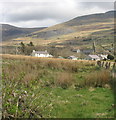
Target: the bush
pixel 64 79
pixel 111 57
pixel 98 78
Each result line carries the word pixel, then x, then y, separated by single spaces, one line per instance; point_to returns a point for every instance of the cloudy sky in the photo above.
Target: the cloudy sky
pixel 39 13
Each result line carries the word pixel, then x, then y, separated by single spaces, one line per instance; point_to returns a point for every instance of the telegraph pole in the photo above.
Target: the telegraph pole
pixel 94 50
pixel 16 50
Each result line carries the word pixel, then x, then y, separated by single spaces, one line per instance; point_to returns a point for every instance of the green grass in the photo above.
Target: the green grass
pixel 37 89
pixel 83 104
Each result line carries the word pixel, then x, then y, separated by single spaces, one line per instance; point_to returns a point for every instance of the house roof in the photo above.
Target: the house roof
pixel 87 50
pixel 72 57
pixel 94 56
pixel 103 56
pixel 40 52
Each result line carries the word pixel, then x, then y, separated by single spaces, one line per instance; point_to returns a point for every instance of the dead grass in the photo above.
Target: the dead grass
pixel 52 63
pixel 98 78
pixel 27 81
pixel 33 68
pixel 64 79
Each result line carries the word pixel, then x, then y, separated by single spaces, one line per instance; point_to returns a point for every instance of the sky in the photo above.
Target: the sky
pixel 45 13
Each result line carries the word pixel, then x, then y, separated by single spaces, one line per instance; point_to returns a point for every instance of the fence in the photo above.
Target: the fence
pixel 108 65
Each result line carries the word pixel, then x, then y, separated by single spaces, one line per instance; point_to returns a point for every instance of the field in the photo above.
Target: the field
pixel 55 88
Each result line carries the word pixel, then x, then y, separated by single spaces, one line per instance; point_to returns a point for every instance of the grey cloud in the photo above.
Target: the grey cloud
pixel 102 5
pixel 37 11
pixel 49 13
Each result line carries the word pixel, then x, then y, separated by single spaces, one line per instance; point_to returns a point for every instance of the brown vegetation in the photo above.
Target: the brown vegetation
pixel 53 63
pixel 98 78
pixel 59 72
pixel 64 79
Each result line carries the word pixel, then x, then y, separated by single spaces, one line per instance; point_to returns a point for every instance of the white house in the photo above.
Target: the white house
pixel 41 54
pixel 76 50
pixel 94 57
pixel 102 57
pixel 72 57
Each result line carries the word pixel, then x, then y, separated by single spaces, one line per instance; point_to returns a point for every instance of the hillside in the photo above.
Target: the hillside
pixel 80 31
pixel 10 32
pixel 83 23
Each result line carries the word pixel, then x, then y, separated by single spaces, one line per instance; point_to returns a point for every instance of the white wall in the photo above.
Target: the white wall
pixel 41 55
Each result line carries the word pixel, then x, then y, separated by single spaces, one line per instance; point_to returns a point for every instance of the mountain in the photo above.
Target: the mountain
pixel 78 32
pixel 10 32
pixel 88 22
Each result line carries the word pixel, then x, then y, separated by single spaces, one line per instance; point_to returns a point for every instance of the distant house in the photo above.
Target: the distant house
pixel 77 51
pixel 93 57
pixel 41 54
pixel 87 51
pixel 102 57
pixel 72 57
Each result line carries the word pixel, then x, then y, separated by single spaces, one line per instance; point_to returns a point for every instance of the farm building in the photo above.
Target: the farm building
pixel 76 50
pixel 41 54
pixel 102 57
pixel 87 51
pixel 72 57
pixel 93 57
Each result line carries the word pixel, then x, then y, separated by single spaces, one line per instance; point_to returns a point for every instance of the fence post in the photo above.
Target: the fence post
pixel 99 63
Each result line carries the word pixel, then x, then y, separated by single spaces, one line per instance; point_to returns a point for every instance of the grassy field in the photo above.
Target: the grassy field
pixel 55 88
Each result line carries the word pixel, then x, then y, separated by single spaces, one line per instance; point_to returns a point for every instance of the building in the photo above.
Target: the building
pixel 87 51
pixel 76 50
pixel 93 57
pixel 103 57
pixel 41 54
pixel 72 57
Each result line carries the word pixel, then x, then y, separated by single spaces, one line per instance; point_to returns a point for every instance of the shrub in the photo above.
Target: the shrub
pixel 98 78
pixel 64 79
pixel 111 57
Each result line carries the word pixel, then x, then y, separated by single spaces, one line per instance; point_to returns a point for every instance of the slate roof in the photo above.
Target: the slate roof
pixel 87 51
pixel 41 52
pixel 72 57
pixel 94 56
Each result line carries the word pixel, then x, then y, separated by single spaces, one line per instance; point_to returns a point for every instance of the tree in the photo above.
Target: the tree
pixel 111 57
pixel 22 47
pixel 30 44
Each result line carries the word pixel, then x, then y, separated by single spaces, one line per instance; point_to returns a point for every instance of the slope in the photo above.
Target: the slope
pixel 10 32
pixel 80 31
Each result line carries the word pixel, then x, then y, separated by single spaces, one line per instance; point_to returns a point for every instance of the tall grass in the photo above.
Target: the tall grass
pixel 98 78
pixel 26 79
pixel 53 63
pixel 26 69
pixel 64 79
